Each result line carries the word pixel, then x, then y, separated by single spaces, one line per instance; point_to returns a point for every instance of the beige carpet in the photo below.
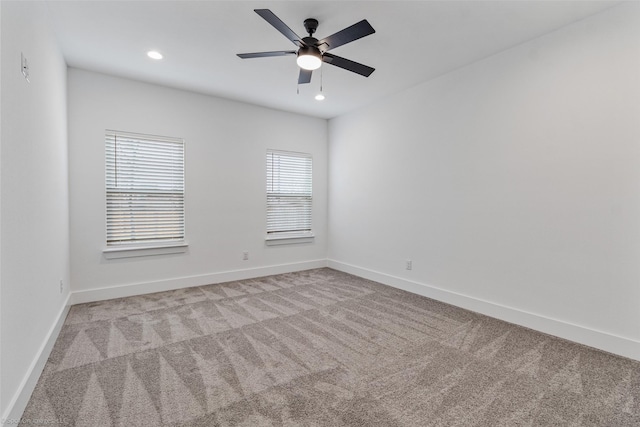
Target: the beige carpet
pixel 320 348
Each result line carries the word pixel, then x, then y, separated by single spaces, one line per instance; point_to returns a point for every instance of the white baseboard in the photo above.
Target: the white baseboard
pixel 99 294
pixel 18 403
pixel 593 338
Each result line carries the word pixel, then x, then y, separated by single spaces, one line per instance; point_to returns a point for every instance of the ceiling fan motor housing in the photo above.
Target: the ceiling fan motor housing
pixel 309 50
pixel 311 25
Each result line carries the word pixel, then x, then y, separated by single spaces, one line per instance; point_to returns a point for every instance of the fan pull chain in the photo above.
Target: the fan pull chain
pixel 320 95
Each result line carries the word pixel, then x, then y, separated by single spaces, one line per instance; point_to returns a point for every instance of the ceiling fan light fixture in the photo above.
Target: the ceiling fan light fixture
pixel 309 58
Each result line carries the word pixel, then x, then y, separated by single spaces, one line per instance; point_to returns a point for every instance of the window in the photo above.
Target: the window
pixel 289 196
pixel 145 190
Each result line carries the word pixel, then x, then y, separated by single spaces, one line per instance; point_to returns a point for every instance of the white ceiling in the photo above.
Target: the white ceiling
pixel 414 41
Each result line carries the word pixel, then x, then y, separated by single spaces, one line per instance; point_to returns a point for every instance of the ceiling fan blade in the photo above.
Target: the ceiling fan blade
pixel 349 34
pixel 348 64
pixel 266 54
pixel 304 77
pixel 277 23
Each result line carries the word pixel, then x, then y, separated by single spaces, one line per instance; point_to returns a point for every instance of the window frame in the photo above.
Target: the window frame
pixel 282 237
pixel 159 245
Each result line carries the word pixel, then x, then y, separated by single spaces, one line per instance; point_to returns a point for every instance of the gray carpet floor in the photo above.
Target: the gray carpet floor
pixel 320 348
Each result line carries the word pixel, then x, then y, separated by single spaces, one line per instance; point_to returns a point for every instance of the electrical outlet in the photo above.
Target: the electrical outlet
pixel 61 286
pixel 245 255
pixel 409 264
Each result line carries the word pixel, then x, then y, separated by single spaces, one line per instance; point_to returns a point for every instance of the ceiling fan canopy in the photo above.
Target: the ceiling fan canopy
pixel 311 52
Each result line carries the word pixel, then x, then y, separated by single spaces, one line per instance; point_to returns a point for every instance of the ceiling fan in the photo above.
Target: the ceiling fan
pixel 312 52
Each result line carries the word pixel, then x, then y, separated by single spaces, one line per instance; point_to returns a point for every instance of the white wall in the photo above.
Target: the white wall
pixel 513 184
pixel 226 144
pixel 34 189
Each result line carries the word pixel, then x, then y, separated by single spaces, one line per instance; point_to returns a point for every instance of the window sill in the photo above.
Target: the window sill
pixel 289 240
pixel 115 252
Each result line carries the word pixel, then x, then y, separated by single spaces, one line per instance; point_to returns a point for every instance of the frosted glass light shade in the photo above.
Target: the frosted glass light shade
pixel 309 58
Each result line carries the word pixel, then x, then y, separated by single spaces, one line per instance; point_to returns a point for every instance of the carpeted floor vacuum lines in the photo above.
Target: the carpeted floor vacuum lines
pixel 319 348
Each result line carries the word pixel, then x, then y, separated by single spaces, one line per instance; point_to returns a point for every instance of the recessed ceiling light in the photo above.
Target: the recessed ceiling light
pixel 154 54
pixel 319 97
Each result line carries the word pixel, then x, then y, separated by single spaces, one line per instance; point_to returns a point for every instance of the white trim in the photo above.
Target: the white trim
pixel 99 294
pixel 622 346
pixel 18 403
pixel 144 136
pixel 115 252
pixel 288 240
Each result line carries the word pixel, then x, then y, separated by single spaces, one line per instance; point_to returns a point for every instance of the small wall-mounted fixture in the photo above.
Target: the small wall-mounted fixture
pixel 24 67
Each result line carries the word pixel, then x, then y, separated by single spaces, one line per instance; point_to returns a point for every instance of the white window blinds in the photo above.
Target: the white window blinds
pixel 145 189
pixel 289 195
